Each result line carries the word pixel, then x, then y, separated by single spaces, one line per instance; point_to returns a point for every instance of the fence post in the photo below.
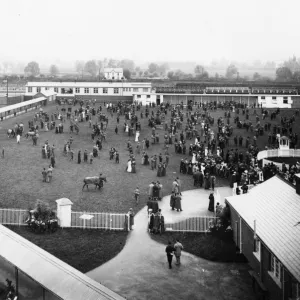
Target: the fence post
pixel 64 212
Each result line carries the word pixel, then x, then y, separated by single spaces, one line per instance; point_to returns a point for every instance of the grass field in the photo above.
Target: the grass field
pixel 21 179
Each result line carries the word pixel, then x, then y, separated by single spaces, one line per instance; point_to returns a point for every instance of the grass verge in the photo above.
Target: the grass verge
pixel 82 249
pixel 202 245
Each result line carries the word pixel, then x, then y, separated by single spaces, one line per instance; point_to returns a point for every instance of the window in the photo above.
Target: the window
pixel 95 90
pixel 275 270
pixel 77 90
pixel 86 90
pixel 116 91
pixel 56 90
pixel 263 97
pixel 285 101
pixel 38 89
pixel 46 88
pixel 273 98
pixel 105 90
pixel 135 89
pixel 129 89
pixel 257 246
pixel 30 89
pixel 285 98
pixel 295 290
pixel 148 96
pixel 139 96
pixel 145 90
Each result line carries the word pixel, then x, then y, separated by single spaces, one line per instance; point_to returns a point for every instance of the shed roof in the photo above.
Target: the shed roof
pixel 64 201
pixel 21 104
pixel 52 273
pixel 275 206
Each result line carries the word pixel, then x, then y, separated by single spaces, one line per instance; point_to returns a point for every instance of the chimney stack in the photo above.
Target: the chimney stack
pixel 297 183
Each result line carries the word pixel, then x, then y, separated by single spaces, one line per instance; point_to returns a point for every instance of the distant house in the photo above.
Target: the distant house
pixel 113 73
pixel 265 230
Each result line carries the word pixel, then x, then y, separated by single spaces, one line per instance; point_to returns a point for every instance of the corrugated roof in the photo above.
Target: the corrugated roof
pixel 275 206
pixel 21 104
pixel 52 273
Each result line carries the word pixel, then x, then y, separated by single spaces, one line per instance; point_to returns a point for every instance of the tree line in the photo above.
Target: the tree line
pixel 289 70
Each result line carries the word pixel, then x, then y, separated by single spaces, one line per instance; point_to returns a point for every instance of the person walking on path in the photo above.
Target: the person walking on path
pixel 137 195
pixel 2 152
pixel 178 248
pixel 18 138
pixel 131 218
pixel 170 250
pixel 211 206
pixel 49 174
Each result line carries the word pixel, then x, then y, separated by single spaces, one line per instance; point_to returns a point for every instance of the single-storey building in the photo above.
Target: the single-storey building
pixel 266 229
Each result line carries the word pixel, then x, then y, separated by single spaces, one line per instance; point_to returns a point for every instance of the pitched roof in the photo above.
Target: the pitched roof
pixel 275 206
pixel 52 273
pixel 119 70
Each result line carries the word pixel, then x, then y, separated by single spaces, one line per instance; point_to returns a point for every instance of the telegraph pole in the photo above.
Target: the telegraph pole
pixel 7 90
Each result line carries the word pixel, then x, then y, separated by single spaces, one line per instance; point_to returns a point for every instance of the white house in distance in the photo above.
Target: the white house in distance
pixel 113 73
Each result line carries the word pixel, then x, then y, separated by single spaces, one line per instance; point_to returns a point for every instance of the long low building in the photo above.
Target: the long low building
pixel 145 93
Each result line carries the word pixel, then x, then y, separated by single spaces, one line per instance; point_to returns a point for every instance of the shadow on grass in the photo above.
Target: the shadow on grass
pixel 203 245
pixel 82 249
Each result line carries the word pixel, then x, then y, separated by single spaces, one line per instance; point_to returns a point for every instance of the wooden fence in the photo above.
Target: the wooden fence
pixel 109 221
pixel 12 216
pixel 195 224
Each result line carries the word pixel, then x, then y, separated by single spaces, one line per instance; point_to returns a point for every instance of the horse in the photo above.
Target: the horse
pixel 30 134
pixel 97 181
pixel 11 133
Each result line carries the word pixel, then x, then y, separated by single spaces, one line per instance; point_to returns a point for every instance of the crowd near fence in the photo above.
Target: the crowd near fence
pixel 194 224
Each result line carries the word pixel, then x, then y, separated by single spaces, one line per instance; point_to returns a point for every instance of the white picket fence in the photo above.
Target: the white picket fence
pixel 194 224
pixel 13 216
pixel 109 221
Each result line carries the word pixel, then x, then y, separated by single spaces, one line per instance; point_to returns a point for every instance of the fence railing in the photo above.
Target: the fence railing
pixel 109 221
pixel 11 216
pixel 195 224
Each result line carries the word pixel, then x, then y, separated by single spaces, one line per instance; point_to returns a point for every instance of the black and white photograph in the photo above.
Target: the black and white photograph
pixel 149 150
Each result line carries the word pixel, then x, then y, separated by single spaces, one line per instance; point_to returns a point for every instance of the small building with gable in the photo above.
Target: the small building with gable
pixel 113 73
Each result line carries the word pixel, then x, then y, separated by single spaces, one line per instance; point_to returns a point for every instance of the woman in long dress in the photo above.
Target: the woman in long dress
pixel 211 206
pixel 194 158
pixel 133 166
pixel 137 134
pixel 127 128
pixel 129 169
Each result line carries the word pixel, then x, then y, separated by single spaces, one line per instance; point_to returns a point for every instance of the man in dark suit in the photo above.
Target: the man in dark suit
pixel 170 250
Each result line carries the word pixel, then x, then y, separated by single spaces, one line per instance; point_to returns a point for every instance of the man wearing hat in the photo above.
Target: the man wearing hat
pixel 131 218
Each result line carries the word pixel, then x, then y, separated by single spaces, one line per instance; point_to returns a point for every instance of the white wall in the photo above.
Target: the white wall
pixel 145 98
pixel 269 102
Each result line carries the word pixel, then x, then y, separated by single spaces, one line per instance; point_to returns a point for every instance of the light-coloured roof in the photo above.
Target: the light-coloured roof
pixel 21 104
pixel 47 93
pixel 88 84
pixel 52 273
pixel 275 206
pixel 119 70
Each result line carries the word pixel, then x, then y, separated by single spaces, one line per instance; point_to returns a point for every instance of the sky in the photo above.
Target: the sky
pixel 58 31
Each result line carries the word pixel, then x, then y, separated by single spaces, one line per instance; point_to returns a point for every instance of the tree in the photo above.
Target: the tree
pixel 112 63
pixel 231 71
pixel 91 67
pixel 296 76
pixel 270 65
pixel 79 66
pixel 32 69
pixel 284 74
pixel 126 73
pixel 152 68
pixel 199 70
pixel 292 64
pixel 54 70
pixel 126 64
pixel 170 75
pixel 256 76
pixel 162 69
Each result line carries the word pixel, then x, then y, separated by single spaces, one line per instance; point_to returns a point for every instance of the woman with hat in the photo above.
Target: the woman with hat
pixel 211 206
pixel 131 218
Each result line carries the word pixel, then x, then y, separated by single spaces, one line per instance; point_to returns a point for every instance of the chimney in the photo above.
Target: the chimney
pixel 297 183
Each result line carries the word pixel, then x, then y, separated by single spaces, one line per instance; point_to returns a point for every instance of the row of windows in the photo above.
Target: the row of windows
pixel 87 90
pixel 274 98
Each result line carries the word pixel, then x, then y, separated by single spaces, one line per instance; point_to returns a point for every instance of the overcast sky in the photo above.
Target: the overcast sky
pixel 156 30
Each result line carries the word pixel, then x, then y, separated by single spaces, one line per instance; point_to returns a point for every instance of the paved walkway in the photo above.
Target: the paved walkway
pixel 140 270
